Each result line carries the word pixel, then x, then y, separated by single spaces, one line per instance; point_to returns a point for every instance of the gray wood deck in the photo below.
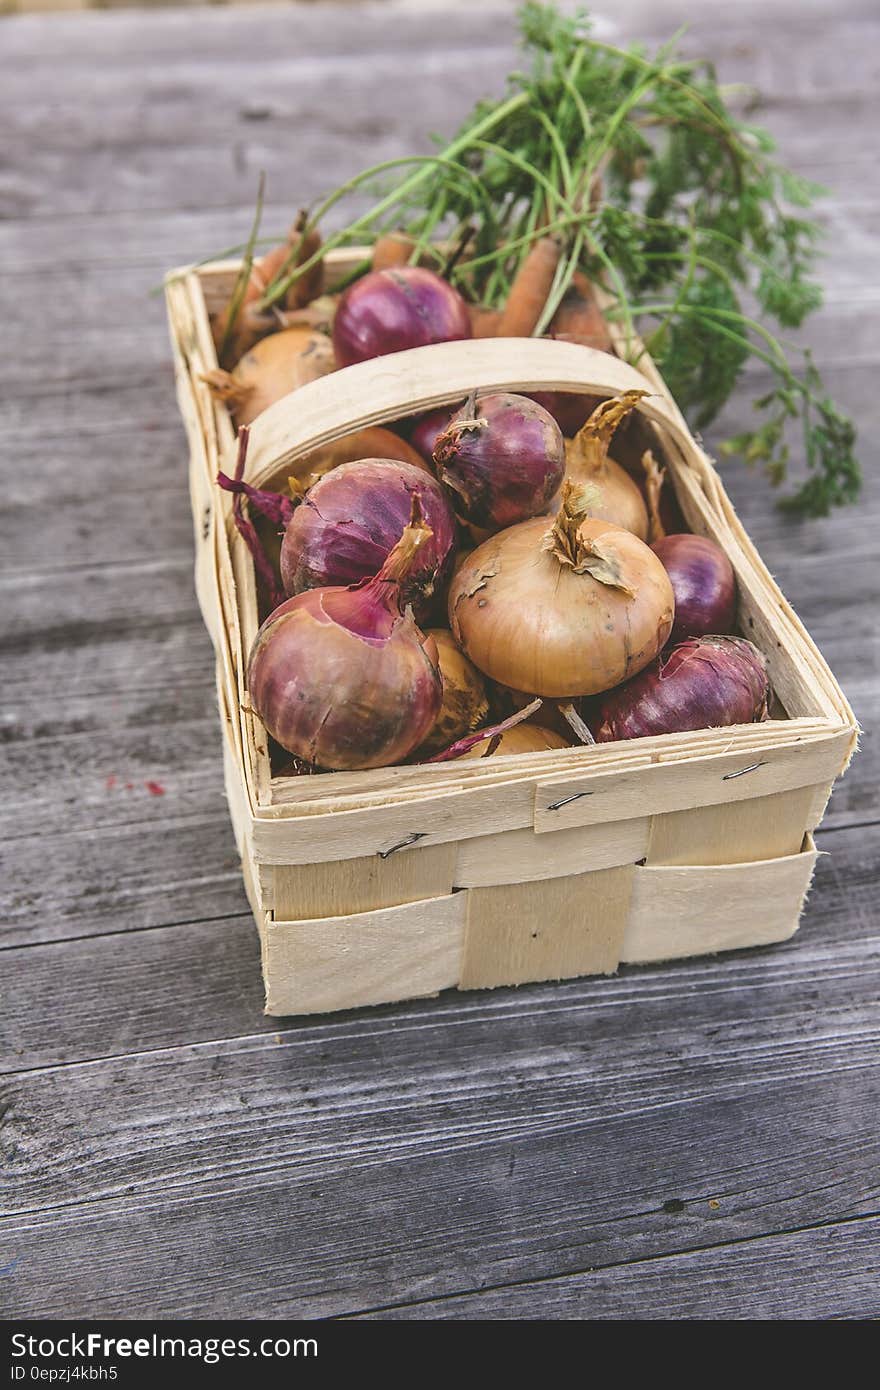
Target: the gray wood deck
pixel 689 1140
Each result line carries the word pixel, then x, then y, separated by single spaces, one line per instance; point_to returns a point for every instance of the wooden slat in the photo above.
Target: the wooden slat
pixel 552 930
pixel 359 885
pixel 346 962
pixel 736 832
pixel 680 911
pixel 520 856
pixel 825 1272
pixel 678 786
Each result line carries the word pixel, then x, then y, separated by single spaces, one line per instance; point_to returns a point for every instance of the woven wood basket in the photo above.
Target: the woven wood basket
pixel 391 884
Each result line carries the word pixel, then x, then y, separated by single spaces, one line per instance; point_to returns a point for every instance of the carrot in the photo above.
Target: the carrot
pixel 529 291
pixel 250 323
pixel 579 318
pixel 484 322
pixel 394 248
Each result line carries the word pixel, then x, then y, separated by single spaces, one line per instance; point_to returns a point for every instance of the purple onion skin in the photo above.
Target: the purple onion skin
pixel 427 430
pixel 351 519
pixel 343 682
pixel 703 583
pixel 569 409
pixel 391 310
pixel 703 683
pixel 506 469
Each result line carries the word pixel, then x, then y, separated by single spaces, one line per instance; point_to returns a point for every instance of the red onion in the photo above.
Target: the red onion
pixel 427 429
pixel 703 583
pixel 703 683
pixel 390 310
pixel 570 409
pixel 342 677
pixel 349 521
pixel 504 458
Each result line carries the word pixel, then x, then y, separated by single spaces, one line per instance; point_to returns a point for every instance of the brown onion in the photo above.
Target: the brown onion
pixel 587 462
pixel 343 678
pixel 465 702
pixel 522 738
pixel 704 683
pixel 273 367
pixel 373 442
pixel 561 608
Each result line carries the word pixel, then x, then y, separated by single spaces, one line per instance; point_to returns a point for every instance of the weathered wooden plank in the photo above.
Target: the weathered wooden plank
pixel 828 1271
pixel 550 1140
pixel 136 158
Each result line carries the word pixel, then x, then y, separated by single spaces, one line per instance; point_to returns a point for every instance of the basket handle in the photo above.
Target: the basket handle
pixel 421 379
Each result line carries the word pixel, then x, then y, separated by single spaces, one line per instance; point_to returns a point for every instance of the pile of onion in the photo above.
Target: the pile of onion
pixel 503 457
pixel 564 608
pixel 704 683
pixel 394 309
pixel 342 677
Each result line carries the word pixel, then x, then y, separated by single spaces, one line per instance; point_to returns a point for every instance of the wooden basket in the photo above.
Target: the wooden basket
pixel 383 885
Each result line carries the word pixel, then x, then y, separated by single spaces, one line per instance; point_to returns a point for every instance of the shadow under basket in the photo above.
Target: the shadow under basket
pixel 391 884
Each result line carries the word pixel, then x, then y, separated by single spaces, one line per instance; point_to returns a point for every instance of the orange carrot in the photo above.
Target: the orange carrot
pixel 529 291
pixel 394 248
pixel 579 318
pixel 484 322
pixel 250 323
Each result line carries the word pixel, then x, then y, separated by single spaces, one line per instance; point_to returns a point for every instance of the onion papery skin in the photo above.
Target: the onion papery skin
pixel 703 582
pixel 465 700
pixel 504 468
pixel 277 365
pixel 530 621
pixel 703 683
pixel 342 681
pixel 619 499
pixel 522 738
pixel 587 463
pixel 395 309
pixel 427 429
pixel 350 521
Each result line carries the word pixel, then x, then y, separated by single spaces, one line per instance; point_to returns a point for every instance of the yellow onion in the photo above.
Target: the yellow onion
pixel 465 702
pixel 271 369
pixel 587 462
pixel 522 738
pixel 562 608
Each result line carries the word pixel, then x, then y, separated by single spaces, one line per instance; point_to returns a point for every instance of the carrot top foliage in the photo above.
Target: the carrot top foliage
pixel 651 184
